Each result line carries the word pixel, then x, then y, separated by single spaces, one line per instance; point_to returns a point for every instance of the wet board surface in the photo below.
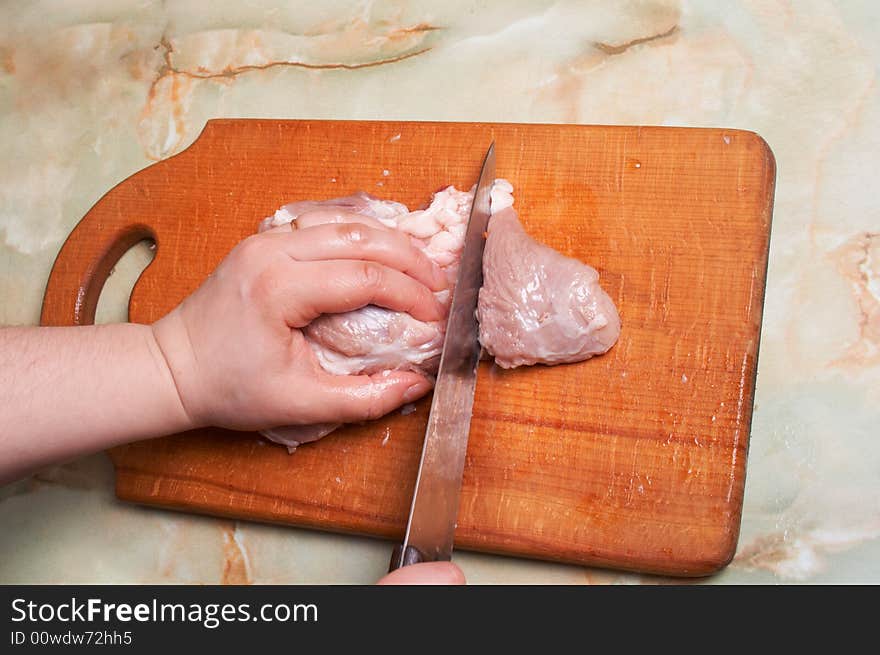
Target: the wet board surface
pixel 633 460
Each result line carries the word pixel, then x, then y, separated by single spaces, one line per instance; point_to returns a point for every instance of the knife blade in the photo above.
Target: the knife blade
pixel 431 524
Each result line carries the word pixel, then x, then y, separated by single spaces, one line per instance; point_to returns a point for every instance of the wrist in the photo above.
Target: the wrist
pixel 173 357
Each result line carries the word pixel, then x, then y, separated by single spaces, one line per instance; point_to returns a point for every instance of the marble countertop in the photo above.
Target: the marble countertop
pixel 91 92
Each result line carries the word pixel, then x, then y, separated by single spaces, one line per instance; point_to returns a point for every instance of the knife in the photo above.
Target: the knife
pixel 431 524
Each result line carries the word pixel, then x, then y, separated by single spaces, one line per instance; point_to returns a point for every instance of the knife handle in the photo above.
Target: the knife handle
pixel 401 557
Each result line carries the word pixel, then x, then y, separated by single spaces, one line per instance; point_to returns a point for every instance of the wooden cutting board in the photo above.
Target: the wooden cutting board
pixel 633 460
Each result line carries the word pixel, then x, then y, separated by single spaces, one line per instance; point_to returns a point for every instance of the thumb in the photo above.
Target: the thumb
pixel 352 398
pixel 426 573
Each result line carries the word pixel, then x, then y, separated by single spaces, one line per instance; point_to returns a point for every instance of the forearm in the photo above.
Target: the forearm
pixel 71 391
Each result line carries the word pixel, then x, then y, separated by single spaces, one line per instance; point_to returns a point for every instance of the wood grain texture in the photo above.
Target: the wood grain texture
pixel 633 460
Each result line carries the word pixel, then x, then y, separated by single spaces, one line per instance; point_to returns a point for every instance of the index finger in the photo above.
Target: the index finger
pixel 359 241
pixel 325 215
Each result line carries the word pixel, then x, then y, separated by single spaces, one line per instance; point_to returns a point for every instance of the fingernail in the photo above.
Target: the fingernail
pixel 416 391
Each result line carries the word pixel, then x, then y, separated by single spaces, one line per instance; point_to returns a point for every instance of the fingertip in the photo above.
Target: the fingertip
pixel 413 385
pixel 425 573
pixel 443 308
pixel 425 306
pixel 454 575
pixel 440 281
pixel 416 390
pixel 430 309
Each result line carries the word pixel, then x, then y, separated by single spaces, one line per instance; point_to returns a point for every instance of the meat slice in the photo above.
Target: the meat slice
pixel 375 339
pixel 537 306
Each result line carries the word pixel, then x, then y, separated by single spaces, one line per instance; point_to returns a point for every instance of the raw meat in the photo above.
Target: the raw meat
pixel 536 305
pixel 374 339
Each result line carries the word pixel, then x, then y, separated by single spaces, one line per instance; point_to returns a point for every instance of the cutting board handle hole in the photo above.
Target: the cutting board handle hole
pixel 115 294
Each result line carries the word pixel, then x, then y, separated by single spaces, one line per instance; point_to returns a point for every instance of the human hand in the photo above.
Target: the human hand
pixel 427 573
pixel 235 349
